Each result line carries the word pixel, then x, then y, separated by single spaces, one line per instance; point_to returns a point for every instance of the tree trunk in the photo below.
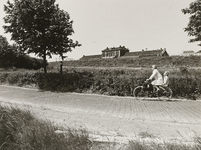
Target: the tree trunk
pixel 44 62
pixel 61 64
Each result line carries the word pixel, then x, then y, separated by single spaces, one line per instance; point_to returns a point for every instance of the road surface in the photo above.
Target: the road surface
pixel 111 116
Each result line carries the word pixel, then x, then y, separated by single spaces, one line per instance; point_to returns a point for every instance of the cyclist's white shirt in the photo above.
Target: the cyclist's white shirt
pixel 157 76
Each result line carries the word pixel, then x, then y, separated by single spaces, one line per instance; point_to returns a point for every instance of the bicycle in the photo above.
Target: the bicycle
pixel 147 91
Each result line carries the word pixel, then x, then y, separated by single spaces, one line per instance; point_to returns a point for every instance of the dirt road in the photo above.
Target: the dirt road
pixel 111 116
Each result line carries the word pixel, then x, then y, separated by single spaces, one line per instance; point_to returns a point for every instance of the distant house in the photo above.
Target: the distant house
pixel 188 53
pixel 114 52
pixel 122 52
pixel 198 53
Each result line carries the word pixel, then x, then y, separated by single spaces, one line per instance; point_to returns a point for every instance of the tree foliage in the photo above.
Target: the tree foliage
pixel 7 52
pixel 40 27
pixel 10 56
pixel 194 25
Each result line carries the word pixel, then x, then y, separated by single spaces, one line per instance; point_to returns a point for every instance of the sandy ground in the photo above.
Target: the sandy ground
pixel 109 118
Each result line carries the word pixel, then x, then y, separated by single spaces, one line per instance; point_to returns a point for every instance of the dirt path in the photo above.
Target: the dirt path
pixel 119 118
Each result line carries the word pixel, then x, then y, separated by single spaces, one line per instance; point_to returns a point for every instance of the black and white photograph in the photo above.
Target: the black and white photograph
pixel 100 75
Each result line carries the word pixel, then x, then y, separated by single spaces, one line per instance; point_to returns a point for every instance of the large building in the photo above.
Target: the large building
pixel 122 52
pixel 114 52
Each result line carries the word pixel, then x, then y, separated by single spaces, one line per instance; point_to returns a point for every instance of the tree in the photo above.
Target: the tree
pixel 3 44
pixel 194 25
pixel 10 56
pixel 40 27
pixel 7 53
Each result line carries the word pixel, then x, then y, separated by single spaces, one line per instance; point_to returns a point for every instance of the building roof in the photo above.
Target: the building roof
pixel 199 51
pixel 91 57
pixel 144 53
pixel 188 52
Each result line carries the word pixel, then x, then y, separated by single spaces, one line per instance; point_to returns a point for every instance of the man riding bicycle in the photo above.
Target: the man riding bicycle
pixel 158 78
pixel 160 89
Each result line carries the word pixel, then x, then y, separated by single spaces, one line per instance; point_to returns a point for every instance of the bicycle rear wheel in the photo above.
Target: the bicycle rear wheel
pixel 139 93
pixel 166 95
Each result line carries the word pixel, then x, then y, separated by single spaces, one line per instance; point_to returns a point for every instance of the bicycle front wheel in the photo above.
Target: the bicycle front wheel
pixel 139 93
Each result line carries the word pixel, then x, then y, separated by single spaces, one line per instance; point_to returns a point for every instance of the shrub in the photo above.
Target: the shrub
pixel 18 78
pixel 68 82
pixel 186 87
pixel 183 70
pixel 27 62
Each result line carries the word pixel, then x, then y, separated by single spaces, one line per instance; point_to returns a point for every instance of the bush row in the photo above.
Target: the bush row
pixel 19 78
pixel 102 81
pixel 69 82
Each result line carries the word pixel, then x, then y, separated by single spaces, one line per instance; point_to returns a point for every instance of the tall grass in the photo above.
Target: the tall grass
pixel 21 130
pixel 136 145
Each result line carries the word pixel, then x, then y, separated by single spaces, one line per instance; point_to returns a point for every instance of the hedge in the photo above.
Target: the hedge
pixel 102 81
pixel 19 78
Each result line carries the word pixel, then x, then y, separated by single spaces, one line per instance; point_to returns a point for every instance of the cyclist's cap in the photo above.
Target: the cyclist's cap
pixel 166 73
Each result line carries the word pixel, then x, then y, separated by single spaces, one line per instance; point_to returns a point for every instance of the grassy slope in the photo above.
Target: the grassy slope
pixel 172 61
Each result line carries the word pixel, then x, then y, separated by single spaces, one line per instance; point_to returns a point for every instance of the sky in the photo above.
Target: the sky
pixel 135 24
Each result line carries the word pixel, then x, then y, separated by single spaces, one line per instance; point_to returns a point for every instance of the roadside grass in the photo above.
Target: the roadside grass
pixel 146 135
pixel 21 130
pixel 136 145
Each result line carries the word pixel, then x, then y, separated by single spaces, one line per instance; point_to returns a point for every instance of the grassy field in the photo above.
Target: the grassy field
pixel 172 61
